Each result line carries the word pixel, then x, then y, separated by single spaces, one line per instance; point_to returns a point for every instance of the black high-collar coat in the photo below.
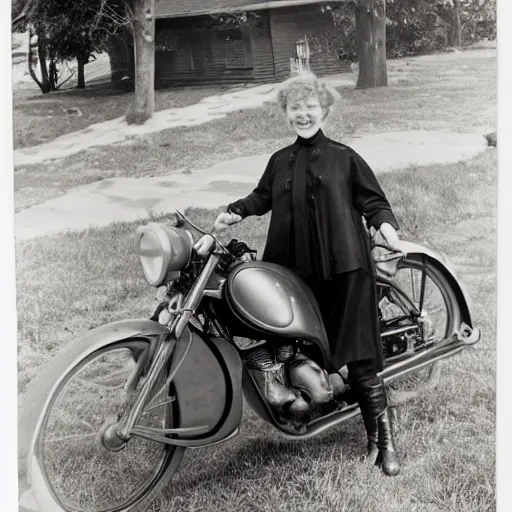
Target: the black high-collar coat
pixel 340 190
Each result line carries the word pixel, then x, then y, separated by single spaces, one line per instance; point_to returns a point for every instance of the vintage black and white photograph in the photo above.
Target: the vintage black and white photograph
pixel 256 255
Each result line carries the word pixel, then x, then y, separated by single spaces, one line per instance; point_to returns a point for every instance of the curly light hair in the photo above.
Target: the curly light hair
pixel 302 86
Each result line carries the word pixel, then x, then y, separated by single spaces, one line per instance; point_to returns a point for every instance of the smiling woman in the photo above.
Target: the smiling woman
pixel 318 191
pixel 307 103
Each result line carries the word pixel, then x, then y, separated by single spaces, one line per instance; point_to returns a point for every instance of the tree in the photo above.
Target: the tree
pixel 455 35
pixel 478 20
pixel 371 43
pixel 43 83
pixel 16 8
pixel 143 27
pixel 470 20
pixel 413 27
pixel 75 30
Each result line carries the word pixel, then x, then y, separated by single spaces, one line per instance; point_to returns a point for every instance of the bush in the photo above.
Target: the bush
pixel 345 26
pixel 414 27
pixel 478 20
pixel 417 27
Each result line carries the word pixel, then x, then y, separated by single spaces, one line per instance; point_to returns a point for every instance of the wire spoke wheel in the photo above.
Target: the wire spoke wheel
pixel 427 291
pixel 78 471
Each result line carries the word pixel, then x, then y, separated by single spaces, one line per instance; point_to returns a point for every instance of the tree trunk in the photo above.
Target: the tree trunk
pixel 42 54
pixel 131 59
pixel 144 45
pixel 53 73
pixel 44 83
pixel 81 61
pixel 371 43
pixel 455 28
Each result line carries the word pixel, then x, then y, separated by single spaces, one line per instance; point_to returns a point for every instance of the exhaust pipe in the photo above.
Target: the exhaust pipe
pixel 442 350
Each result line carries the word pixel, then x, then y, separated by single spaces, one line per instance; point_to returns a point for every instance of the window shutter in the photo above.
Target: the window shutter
pixel 247 42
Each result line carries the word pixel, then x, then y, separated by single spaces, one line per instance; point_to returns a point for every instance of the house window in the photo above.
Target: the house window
pixel 234 52
pixel 176 46
pixel 233 48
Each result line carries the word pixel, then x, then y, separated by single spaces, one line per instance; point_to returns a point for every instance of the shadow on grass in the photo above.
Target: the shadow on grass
pixel 96 90
pixel 209 467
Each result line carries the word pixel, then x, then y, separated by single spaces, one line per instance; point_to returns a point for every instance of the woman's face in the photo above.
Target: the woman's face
pixel 305 116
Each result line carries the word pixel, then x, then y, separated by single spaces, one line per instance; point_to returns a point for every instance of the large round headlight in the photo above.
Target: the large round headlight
pixel 163 251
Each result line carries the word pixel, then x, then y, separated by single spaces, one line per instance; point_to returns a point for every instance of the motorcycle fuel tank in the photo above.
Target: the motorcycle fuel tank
pixel 272 299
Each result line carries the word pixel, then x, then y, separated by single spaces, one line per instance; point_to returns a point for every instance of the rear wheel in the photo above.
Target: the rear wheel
pixel 423 288
pixel 71 469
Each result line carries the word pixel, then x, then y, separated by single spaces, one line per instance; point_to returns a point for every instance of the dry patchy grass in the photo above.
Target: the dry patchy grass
pixel 450 92
pixel 40 118
pixel 77 281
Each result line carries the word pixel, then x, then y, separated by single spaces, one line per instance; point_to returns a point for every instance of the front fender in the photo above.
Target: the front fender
pixel 116 331
pixel 209 389
pixel 32 403
pixel 442 264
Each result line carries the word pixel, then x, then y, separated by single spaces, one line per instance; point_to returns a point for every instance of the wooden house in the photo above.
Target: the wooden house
pixel 196 43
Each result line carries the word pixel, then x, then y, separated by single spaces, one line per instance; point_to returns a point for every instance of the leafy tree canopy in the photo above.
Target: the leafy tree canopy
pixel 76 29
pixel 414 27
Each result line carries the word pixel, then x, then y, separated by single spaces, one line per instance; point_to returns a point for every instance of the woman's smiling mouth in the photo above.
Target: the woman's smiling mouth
pixel 303 124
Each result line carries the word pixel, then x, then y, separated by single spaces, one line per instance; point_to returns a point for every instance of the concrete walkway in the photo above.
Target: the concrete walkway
pixel 128 199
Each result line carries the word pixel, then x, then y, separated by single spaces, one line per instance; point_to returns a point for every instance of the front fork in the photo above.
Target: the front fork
pixel 116 435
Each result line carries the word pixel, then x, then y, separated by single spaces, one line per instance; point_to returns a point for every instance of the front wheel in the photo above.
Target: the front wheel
pixel 71 470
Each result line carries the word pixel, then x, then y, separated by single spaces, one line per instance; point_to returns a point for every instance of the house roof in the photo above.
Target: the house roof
pixel 183 8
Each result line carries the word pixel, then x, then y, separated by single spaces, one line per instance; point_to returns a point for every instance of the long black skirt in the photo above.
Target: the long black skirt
pixel 348 304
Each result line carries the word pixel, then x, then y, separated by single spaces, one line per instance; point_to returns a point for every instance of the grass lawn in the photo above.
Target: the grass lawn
pixel 40 118
pixel 454 92
pixel 69 283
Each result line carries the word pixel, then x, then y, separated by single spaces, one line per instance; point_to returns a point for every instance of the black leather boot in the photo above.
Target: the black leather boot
pixel 364 393
pixel 372 435
pixel 373 404
pixel 387 458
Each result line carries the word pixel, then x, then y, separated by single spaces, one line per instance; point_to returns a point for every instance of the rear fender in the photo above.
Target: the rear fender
pixel 442 264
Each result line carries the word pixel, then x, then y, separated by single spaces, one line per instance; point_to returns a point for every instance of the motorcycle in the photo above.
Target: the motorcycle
pixel 107 422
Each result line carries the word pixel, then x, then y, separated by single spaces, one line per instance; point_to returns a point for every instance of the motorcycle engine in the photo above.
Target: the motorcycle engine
pixel 391 318
pixel 289 380
pixel 400 343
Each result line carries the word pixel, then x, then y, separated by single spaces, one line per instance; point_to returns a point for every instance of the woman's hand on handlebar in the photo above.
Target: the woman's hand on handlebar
pixel 204 245
pixel 224 220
